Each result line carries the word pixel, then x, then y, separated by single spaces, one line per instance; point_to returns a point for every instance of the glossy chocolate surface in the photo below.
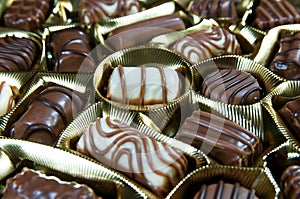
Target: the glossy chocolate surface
pixel 232 87
pixel 47 115
pixel 17 54
pixel 223 140
pixel 287 62
pixel 33 184
pixel 27 15
pixel 272 13
pixel 290 181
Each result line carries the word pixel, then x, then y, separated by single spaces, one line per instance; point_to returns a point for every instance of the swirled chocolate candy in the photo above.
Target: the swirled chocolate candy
pixel 154 164
pixel 47 115
pixel 34 184
pixel 290 114
pixel 7 98
pixel 144 85
pixel 71 48
pixel 286 62
pixel 223 140
pixel 231 87
pixel 142 32
pixel 101 10
pixel 222 190
pixel 17 54
pixel 213 8
pixel 271 13
pixel 290 181
pixel 27 15
pixel 207 43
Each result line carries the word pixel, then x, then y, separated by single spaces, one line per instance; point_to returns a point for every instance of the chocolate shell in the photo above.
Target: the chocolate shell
pixel 34 184
pixel 290 181
pixel 286 62
pixel 232 87
pixel 17 54
pixel 223 140
pixel 47 115
pixel 26 15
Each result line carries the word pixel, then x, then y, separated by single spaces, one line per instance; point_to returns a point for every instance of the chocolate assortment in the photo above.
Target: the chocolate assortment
pixel 149 99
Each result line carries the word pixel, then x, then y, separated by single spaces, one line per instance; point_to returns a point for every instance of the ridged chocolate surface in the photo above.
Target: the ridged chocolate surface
pixel 101 10
pixel 287 62
pixel 71 49
pixel 47 115
pixel 271 13
pixel 290 181
pixel 231 87
pixel 207 43
pixel 33 184
pixel 7 98
pixel 154 164
pixel 214 8
pixel 290 114
pixel 223 140
pixel 17 54
pixel 223 190
pixel 143 85
pixel 27 15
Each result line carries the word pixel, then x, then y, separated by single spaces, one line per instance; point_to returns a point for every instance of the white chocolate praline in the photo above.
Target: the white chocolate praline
pixel 207 43
pixel 155 164
pixel 144 85
pixel 7 98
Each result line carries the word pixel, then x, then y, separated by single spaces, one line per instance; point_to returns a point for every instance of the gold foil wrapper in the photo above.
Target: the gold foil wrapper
pixel 17 154
pixel 72 133
pixel 256 178
pixel 283 93
pixel 80 83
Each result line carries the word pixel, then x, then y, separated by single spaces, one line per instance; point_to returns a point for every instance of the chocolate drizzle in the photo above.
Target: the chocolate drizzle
pixel 271 13
pixel 231 87
pixel 101 10
pixel 223 190
pixel 27 15
pixel 213 8
pixel 128 150
pixel 210 42
pixel 223 140
pixel 17 54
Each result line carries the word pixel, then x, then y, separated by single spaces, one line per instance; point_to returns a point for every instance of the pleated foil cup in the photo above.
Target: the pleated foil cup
pixel 72 133
pixel 270 43
pixel 37 39
pixel 286 91
pixel 256 178
pixel 17 154
pixel 279 159
pixel 80 83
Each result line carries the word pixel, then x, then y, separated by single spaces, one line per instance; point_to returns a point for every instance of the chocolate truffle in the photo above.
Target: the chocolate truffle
pixel 286 62
pixel 7 98
pixel 290 114
pixel 70 49
pixel 101 10
pixel 272 13
pixel 214 8
pixel 143 85
pixel 142 32
pixel 231 86
pixel 222 190
pixel 290 181
pixel 17 54
pixel 26 15
pixel 47 115
pixel 34 184
pixel 207 43
pixel 223 140
pixel 154 164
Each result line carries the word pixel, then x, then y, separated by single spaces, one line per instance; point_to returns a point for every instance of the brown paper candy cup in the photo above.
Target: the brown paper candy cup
pixel 17 154
pixel 255 178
